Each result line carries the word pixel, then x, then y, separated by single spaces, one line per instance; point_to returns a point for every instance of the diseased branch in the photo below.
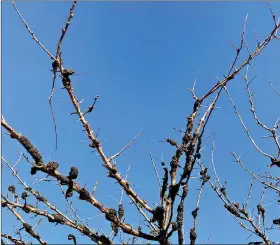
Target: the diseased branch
pixel 12 239
pixel 94 141
pixel 180 216
pixel 237 212
pixel 83 193
pixel 54 218
pixel 67 221
pixel 113 173
pixel 26 226
pixel 190 148
pixel 193 234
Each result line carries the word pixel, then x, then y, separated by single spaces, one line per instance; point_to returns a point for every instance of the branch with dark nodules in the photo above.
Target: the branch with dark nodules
pixel 13 239
pixel 83 193
pixel 83 229
pixel 193 234
pixel 36 155
pixel 237 212
pixel 96 144
pixel 171 142
pixel 180 215
pixel 54 218
pixel 28 228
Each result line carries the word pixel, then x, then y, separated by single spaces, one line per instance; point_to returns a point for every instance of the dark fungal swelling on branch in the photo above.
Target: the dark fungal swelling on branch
pixel 24 195
pixel 275 162
pixel 276 221
pixel 193 236
pixel 112 171
pixel 33 170
pixel 111 215
pixel 27 208
pixel 69 191
pixel 73 174
pixel 12 189
pixel 120 211
pixel 194 212
pixel 51 167
pixel 171 142
pixel 84 194
pixel 232 210
pixel 86 231
pixel 115 228
pixel 104 240
pixel 164 183
pixel 36 155
pixel 158 215
pixel 58 218
pixel 63 180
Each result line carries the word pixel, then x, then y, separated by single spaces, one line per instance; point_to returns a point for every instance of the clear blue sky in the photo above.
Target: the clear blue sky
pixel 140 58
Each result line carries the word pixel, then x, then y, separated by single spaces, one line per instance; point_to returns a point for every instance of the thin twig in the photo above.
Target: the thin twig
pixel 124 148
pixel 31 32
pixel 152 160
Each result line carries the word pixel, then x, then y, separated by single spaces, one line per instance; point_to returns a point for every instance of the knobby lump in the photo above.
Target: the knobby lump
pixel 73 174
pixel 12 189
pixel 52 166
pixel 120 211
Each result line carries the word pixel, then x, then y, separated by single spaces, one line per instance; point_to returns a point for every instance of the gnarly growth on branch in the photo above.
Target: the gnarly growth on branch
pixel 166 217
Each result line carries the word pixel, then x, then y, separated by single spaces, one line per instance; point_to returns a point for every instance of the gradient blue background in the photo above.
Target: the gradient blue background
pixel 140 58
